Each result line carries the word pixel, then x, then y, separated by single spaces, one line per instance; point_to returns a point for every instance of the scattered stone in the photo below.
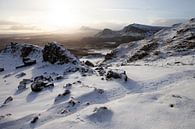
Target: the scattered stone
pixel 27 62
pixel 8 100
pixel 20 75
pixel 4 116
pixel 88 63
pixel 64 111
pixel 8 75
pixel 79 82
pixel 68 85
pixel 116 75
pixel 100 91
pixel 177 96
pixel 171 105
pixel 101 71
pixel 87 104
pixel 100 109
pixel 66 92
pixel 73 102
pixel 1 69
pixel 34 120
pixel 59 77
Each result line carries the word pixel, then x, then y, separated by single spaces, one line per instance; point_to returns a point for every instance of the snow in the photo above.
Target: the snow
pixel 158 94
pixel 141 102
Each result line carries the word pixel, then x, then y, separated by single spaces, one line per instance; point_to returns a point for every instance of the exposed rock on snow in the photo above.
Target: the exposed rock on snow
pixel 175 41
pixel 101 114
pixel 1 69
pixel 41 82
pixel 22 74
pixel 8 100
pixel 23 50
pixel 23 84
pixel 88 63
pixel 116 74
pixel 34 120
pixel 54 53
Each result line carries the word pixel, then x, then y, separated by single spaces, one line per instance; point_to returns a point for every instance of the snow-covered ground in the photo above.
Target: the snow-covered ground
pixel 154 97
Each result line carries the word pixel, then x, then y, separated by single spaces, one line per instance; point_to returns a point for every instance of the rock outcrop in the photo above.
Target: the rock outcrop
pixel 56 54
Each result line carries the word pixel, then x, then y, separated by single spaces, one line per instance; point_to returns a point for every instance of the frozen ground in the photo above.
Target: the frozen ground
pixel 154 97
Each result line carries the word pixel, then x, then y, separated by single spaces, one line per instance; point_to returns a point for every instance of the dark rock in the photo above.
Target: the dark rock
pixel 64 111
pixel 100 91
pixel 40 82
pixel 73 102
pixel 176 96
pixel 68 85
pixel 116 75
pixel 100 109
pixel 38 86
pixel 101 71
pixel 8 100
pixel 20 75
pixel 59 77
pixel 27 63
pixel 88 63
pixel 26 50
pixel 79 82
pixel 143 51
pixel 7 75
pixel 34 120
pixel 109 56
pixel 22 85
pixel 66 92
pixel 1 69
pixel 54 53
pixel 30 62
pixel 171 105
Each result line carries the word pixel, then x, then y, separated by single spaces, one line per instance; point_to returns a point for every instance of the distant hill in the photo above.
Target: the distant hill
pixel 178 40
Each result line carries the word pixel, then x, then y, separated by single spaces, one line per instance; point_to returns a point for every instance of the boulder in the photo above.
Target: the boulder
pixel 20 75
pixel 55 53
pixel 23 83
pixel 88 63
pixel 8 100
pixel 41 82
pixel 1 69
pixel 116 75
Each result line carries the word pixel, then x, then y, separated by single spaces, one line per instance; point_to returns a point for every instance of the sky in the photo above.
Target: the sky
pixel 17 16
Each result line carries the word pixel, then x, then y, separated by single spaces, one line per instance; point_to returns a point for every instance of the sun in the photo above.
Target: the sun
pixel 62 14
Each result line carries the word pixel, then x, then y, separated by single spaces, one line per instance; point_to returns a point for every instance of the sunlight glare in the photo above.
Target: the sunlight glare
pixel 62 14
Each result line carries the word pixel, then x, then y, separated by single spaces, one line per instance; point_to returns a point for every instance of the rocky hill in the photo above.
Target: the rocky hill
pixel 179 40
pixel 132 30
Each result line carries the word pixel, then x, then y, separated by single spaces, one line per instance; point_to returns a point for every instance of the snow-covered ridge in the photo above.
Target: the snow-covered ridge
pixel 133 30
pixel 179 40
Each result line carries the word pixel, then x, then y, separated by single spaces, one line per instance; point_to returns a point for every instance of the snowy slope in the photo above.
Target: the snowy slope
pixel 153 96
pixel 175 41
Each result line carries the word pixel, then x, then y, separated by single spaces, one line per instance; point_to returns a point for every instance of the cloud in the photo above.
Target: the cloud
pixel 5 23
pixel 168 22
pixel 24 27
pixel 11 26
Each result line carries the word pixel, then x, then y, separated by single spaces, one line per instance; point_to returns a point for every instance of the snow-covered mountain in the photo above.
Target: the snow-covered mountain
pixel 179 40
pixel 132 30
pixel 49 88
